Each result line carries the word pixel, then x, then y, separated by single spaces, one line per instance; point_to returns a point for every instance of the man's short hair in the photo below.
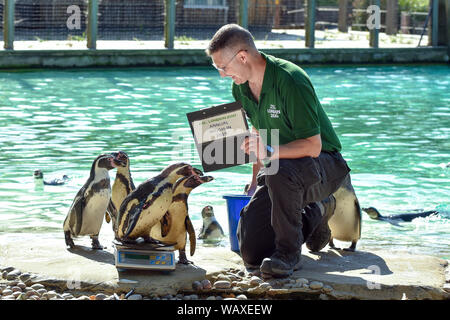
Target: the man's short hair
pixel 230 36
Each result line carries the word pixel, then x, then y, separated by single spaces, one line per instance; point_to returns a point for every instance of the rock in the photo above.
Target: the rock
pixel 7 292
pixel 241 297
pixel 37 286
pixel 83 298
pixel 222 284
pixel 4 274
pixel 224 277
pixel 8 269
pixel 31 293
pixel 40 292
pixel 302 281
pixel 206 284
pixel 255 281
pixel 51 294
pixel 21 296
pixel 9 297
pixel 25 277
pixel 13 274
pixel 243 284
pixel 197 286
pixel 67 296
pixel 16 289
pixel 316 285
pixel 323 297
pixel 22 285
pixel 99 296
pixel 327 289
pixel 135 297
pixel 194 297
pixel 211 298
pixel 265 286
pixel 447 287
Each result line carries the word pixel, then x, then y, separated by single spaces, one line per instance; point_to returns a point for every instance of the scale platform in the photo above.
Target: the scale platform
pixel 144 256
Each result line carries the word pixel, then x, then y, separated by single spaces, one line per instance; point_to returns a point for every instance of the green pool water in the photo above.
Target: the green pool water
pixel 393 122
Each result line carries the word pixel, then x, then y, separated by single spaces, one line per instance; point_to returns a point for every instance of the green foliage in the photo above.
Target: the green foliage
pixel 414 5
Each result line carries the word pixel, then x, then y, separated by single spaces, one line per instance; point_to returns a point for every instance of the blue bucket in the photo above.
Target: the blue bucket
pixel 235 203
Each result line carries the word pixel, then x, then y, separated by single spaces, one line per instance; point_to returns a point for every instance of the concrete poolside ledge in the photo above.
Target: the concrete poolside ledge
pixel 76 58
pixel 359 275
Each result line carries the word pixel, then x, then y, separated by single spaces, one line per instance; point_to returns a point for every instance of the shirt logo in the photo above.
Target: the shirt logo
pixel 273 111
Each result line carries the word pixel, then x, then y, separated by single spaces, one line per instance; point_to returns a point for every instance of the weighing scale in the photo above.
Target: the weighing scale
pixel 144 256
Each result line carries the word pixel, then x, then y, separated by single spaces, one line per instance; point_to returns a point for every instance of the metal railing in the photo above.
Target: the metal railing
pixel 172 16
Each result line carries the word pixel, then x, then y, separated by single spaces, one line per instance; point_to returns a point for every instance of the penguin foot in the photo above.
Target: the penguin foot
pixel 68 239
pixel 332 246
pixel 182 259
pixel 96 244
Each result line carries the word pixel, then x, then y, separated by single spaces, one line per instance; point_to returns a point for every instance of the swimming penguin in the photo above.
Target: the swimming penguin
pixel 86 213
pixel 176 222
pixel 211 229
pixel 345 223
pixel 122 186
pixel 402 217
pixel 147 204
pixel 39 177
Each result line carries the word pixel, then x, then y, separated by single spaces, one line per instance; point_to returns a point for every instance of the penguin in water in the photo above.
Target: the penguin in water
pixel 147 204
pixel 211 229
pixel 345 223
pixel 39 177
pixel 86 213
pixel 176 223
pixel 402 217
pixel 122 186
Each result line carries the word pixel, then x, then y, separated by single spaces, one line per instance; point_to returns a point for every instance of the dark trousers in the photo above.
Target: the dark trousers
pixel 283 212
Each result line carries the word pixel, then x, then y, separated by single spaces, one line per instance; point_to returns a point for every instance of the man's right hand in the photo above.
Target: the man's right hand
pixel 249 189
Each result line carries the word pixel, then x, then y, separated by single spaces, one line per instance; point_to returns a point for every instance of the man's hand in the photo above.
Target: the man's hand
pixel 254 143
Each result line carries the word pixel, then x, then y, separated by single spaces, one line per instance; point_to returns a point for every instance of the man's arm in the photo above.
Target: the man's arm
pixel 309 147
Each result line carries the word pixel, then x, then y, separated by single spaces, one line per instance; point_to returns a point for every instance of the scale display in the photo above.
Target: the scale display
pixel 144 259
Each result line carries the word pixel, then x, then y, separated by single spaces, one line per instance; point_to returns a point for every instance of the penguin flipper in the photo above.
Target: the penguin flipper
pixel 166 223
pixel 75 215
pixel 190 230
pixel 111 212
pixel 133 217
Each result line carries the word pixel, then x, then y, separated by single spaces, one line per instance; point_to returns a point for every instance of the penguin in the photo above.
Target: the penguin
pixel 345 223
pixel 147 204
pixel 122 186
pixel 176 223
pixel 211 229
pixel 39 177
pixel 86 213
pixel 402 217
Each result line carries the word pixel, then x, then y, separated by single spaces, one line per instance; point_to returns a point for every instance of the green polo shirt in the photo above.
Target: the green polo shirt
pixel 288 103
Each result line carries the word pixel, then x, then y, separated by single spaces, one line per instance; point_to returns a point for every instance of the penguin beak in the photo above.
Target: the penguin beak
pixel 119 159
pixel 197 171
pixel 206 179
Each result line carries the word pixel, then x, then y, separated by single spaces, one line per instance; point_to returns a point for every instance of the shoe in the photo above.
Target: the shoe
pixel 321 236
pixel 281 264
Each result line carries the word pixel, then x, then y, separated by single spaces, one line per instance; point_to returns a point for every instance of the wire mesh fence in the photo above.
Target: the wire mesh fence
pixel 199 19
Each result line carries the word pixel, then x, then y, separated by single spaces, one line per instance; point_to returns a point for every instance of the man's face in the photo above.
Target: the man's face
pixel 229 64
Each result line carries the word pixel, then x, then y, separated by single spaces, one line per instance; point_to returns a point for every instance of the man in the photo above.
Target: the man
pixel 285 209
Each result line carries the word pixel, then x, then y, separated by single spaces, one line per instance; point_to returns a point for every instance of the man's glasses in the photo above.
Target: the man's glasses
pixel 226 65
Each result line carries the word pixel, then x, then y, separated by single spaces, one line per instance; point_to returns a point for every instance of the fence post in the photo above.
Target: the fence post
pixel 434 23
pixel 169 24
pixel 243 13
pixel 310 25
pixel 374 33
pixel 8 24
pixel 92 25
pixel 343 16
pixel 392 17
